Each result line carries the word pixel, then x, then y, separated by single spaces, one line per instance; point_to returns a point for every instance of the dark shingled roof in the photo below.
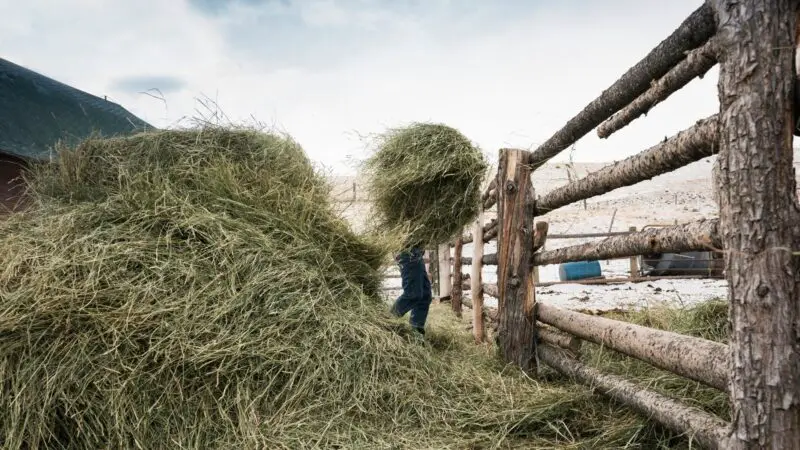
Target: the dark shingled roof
pixel 37 111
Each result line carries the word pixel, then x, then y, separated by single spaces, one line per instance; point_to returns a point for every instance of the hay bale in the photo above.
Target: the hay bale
pixel 425 179
pixel 194 289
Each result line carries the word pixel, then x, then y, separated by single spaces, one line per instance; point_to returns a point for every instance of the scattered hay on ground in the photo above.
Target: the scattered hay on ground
pixel 426 179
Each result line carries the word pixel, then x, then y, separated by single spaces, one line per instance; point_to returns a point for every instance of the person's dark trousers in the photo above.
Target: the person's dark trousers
pixel 417 295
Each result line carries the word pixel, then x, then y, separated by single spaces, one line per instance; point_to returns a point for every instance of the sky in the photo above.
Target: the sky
pixel 506 73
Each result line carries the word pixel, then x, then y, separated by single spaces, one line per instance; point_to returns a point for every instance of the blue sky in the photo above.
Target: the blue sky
pixel 505 73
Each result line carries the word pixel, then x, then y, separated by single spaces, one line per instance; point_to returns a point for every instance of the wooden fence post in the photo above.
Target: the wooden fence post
pixel 760 218
pixel 634 259
pixel 444 272
pixel 476 281
pixel 515 279
pixel 433 270
pixel 457 289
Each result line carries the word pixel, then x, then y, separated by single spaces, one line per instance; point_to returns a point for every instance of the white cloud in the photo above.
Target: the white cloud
pixel 506 83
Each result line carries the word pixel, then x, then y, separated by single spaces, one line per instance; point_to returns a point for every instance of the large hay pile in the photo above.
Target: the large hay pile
pixel 425 179
pixel 194 289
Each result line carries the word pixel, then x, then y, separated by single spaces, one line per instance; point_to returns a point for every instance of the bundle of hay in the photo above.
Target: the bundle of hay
pixel 194 289
pixel 425 179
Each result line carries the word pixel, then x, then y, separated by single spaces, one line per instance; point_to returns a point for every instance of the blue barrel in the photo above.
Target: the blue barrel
pixel 579 270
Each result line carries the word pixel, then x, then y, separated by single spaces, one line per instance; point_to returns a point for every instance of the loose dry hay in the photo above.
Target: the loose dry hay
pixel 426 179
pixel 193 289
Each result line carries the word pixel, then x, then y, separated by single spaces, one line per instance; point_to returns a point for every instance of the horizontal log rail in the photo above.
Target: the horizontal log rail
pixel 490 190
pixel 488 260
pixel 698 28
pixel 691 357
pixel 701 426
pixel 491 201
pixel 696 64
pixel 556 338
pixel 623 280
pixel 489 232
pixel 693 236
pixel 686 147
pixel 491 290
pixel 588 235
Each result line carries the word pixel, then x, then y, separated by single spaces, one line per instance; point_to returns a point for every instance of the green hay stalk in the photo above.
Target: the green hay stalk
pixel 425 179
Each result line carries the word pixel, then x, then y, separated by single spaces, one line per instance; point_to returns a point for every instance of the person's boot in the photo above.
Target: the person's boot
pixel 420 330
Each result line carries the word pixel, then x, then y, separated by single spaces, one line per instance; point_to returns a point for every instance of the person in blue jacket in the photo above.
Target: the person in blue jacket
pixel 417 296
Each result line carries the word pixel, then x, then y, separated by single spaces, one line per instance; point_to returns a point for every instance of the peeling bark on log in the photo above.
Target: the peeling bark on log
pixel 760 218
pixel 457 290
pixel 696 64
pixel 705 428
pixel 475 281
pixel 516 291
pixel 692 33
pixel 693 236
pixel 691 357
pixel 686 147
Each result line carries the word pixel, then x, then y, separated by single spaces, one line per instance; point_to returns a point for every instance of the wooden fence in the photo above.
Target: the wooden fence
pixel 757 232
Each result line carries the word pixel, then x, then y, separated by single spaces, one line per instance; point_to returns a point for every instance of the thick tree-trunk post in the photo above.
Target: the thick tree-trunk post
pixel 634 259
pixel 476 280
pixel 760 218
pixel 456 293
pixel 515 283
pixel 444 272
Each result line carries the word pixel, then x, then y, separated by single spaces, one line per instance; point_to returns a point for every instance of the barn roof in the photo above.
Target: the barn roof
pixel 37 111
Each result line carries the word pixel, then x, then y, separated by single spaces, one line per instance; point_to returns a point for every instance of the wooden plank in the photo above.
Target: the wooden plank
pixel 457 291
pixel 706 429
pixel 691 357
pixel 514 276
pixel 444 271
pixel 684 148
pixel 697 63
pixel 475 281
pixel 693 236
pixel 692 33
pixel 634 261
